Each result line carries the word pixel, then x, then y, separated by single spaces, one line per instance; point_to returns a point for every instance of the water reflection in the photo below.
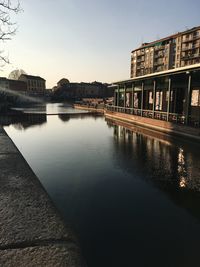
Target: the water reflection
pixel 182 172
pixel 173 168
pixel 131 195
pixel 49 109
pixel 68 117
pixel 163 159
pixel 23 121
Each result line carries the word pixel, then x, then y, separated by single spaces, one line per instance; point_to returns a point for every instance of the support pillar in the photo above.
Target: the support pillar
pixel 142 99
pixel 188 101
pixel 169 98
pixel 124 96
pixel 115 99
pixel 118 97
pixel 132 96
pixel 154 96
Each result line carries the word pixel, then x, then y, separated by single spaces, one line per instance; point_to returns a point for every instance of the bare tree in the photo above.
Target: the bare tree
pixel 15 74
pixel 7 26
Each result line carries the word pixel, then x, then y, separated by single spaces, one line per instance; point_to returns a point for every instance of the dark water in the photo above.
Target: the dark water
pixel 132 197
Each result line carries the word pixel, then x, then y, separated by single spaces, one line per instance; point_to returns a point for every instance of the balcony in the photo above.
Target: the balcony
pixel 160 47
pixel 158 63
pixel 190 48
pixel 141 59
pixel 159 55
pixel 185 40
pixel 140 67
pixel 192 56
pixel 140 52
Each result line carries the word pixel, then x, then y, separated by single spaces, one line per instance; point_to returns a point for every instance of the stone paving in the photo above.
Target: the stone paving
pixel 32 233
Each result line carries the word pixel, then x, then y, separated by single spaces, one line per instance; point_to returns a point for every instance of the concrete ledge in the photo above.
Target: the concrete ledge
pixel 32 233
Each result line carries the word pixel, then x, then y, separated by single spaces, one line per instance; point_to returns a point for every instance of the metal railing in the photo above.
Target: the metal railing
pixel 159 115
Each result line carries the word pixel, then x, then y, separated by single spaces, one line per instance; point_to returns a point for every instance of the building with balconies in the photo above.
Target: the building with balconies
pixel 178 50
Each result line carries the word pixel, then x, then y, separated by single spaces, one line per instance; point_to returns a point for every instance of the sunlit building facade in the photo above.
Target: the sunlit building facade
pixel 178 50
pixel 164 89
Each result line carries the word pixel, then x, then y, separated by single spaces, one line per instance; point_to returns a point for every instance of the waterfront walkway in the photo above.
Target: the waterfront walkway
pixel 32 233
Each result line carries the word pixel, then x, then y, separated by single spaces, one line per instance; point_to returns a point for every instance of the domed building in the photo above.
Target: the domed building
pixel 62 82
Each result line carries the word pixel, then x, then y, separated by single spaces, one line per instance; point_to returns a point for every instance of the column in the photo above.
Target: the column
pixel 142 98
pixel 124 96
pixel 188 100
pixel 132 96
pixel 154 97
pixel 117 98
pixel 169 98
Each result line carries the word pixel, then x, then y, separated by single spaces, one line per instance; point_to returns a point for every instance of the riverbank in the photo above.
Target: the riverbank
pixel 32 233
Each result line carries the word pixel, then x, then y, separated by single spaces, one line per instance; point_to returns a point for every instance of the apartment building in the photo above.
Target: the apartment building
pixel 178 50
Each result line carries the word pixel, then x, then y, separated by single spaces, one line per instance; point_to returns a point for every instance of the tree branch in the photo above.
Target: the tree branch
pixel 7 27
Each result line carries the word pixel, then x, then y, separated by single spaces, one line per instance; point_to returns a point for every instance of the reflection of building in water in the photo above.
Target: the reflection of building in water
pixel 67 117
pixel 171 167
pixel 23 121
pixel 181 168
pixel 168 165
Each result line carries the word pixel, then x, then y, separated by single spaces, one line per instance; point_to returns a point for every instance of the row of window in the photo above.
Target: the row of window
pixel 195 99
pixel 35 83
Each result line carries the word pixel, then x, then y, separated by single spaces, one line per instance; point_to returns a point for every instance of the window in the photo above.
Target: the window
pixel 136 100
pixel 159 100
pixel 150 97
pixel 127 100
pixel 195 99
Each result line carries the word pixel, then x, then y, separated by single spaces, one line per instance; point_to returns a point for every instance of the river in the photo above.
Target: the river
pixel 132 196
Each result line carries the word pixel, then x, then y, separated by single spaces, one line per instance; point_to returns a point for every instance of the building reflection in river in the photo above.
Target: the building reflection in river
pixel 23 121
pixel 169 162
pixel 68 117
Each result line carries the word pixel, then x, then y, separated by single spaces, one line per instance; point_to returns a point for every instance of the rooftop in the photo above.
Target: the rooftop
pixel 159 41
pixel 31 77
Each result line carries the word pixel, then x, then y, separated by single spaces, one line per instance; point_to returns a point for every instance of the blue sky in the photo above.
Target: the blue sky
pixel 85 40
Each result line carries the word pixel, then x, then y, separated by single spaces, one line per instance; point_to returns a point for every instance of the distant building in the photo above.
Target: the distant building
pixel 35 84
pixel 11 90
pixel 175 51
pixel 63 82
pixel 67 90
pixel 15 85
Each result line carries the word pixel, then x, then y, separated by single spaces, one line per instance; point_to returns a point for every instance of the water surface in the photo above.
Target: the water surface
pixel 132 197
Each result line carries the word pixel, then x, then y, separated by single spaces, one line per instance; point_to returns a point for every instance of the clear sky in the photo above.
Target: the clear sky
pixel 88 40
